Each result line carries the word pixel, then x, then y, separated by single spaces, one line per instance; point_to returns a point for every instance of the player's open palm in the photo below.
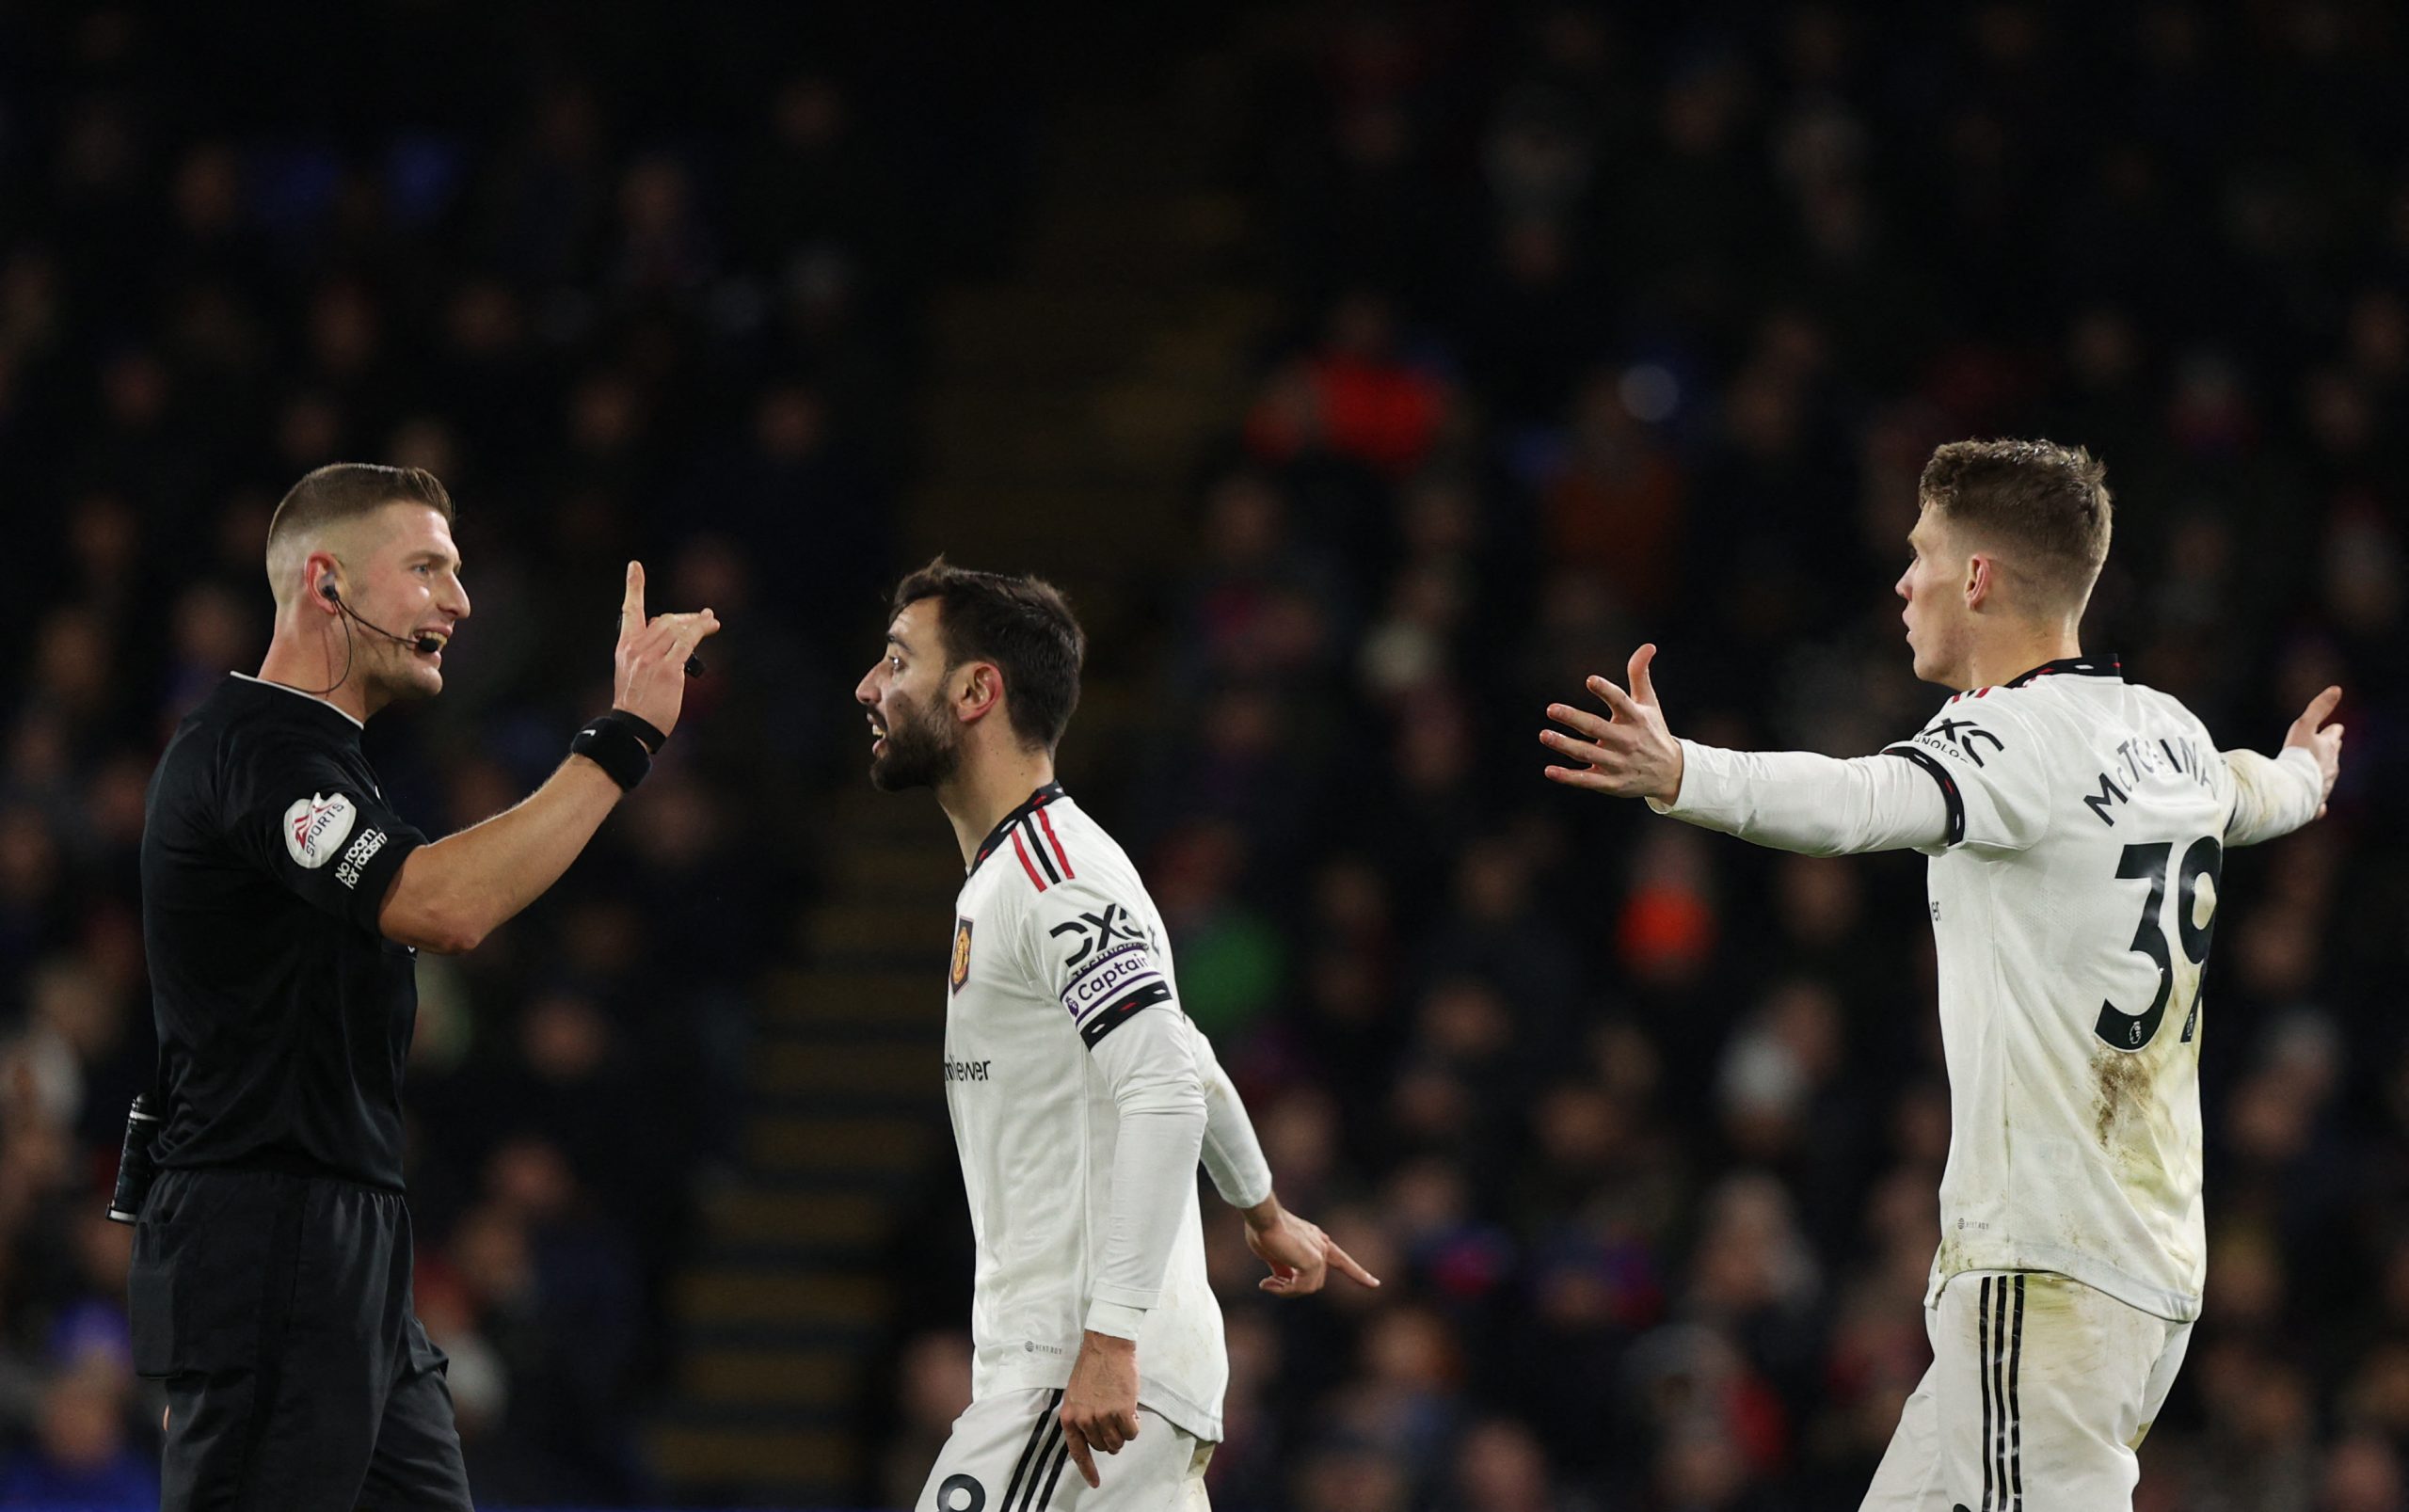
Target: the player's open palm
pixel 1628 752
pixel 650 681
pixel 2325 744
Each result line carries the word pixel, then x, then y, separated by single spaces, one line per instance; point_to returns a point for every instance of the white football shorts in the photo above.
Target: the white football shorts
pixel 1006 1455
pixel 2040 1391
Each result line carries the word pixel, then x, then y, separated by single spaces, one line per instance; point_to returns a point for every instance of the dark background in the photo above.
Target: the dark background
pixel 1368 374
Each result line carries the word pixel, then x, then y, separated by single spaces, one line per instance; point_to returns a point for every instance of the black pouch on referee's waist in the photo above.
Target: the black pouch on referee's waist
pixel 201 1274
pixel 136 1170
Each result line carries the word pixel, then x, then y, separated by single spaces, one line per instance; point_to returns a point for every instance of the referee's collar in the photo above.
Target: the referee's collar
pixel 1037 799
pixel 296 693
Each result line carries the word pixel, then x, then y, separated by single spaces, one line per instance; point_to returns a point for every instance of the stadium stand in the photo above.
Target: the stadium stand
pixel 1368 374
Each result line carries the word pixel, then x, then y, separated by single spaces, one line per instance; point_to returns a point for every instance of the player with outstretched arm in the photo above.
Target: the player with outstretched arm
pixel 2077 825
pixel 1082 1098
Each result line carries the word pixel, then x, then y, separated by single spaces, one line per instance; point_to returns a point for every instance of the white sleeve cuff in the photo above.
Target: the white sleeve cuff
pixel 2273 796
pixel 1698 774
pixel 1118 1319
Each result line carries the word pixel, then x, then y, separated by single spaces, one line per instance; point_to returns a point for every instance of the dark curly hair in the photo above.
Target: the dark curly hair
pixel 1023 625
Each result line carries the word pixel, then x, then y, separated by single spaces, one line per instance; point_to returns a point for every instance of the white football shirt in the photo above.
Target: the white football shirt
pixel 2072 908
pixel 1056 946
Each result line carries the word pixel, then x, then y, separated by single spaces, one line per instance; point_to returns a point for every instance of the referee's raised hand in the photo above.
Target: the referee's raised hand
pixel 651 661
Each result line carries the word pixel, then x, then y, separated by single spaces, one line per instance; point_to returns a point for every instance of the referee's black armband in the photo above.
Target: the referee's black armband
pixel 621 745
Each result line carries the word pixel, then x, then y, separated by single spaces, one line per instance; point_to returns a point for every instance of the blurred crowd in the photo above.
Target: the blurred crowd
pixel 1612 325
pixel 1631 323
pixel 628 295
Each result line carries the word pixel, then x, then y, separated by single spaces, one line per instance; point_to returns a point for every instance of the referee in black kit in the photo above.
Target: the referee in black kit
pixel 283 904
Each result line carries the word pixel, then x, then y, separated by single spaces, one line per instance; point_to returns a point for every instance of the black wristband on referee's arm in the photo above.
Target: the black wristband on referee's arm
pixel 621 745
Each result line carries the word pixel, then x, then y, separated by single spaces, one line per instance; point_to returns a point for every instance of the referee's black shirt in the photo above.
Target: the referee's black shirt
pixel 283 1014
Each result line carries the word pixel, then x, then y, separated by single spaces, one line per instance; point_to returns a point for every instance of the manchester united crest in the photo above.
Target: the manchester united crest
pixel 960 972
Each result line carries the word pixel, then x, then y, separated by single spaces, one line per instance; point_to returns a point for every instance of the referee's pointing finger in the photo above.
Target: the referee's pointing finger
pixel 633 606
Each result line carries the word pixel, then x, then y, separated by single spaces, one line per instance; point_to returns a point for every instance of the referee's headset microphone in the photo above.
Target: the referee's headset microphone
pixel 423 644
pixel 327 590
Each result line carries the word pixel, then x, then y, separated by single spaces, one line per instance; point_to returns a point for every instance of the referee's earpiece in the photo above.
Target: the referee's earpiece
pixel 327 590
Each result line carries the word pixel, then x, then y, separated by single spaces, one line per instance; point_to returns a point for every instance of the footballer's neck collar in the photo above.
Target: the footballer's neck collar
pixel 2107 665
pixel 996 836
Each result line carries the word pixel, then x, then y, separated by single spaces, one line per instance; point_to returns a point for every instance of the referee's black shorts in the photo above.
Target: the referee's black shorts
pixel 277 1309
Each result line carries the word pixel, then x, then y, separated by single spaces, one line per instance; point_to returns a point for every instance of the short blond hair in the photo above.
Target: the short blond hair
pixel 340 492
pixel 2046 505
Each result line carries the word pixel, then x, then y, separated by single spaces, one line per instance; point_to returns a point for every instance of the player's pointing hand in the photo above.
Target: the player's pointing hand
pixel 1301 1255
pixel 1630 753
pixel 1100 1406
pixel 2325 744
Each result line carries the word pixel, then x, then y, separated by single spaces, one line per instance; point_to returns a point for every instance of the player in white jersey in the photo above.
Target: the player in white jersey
pixel 1083 1097
pixel 2077 824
